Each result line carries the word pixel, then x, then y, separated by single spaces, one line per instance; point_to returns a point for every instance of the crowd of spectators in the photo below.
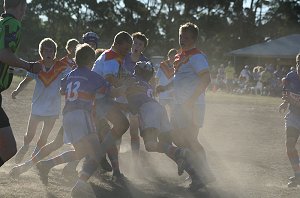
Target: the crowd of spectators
pixel 259 80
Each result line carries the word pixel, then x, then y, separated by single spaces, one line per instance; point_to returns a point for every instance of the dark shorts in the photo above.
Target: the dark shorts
pixel 292 132
pixel 4 121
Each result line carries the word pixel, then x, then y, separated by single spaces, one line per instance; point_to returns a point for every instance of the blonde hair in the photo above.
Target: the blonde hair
pixel 47 42
pixel 191 27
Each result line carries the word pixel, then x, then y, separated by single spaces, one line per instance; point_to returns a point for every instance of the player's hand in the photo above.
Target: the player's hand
pixel 160 88
pixel 283 107
pixel 122 90
pixel 34 67
pixel 135 89
pixel 14 94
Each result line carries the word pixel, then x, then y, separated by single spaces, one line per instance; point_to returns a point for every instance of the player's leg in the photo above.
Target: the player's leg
pixel 45 166
pixel 44 152
pixel 149 136
pixel 165 145
pixel 50 147
pixel 89 148
pixel 292 127
pixel 187 123
pixel 292 136
pixel 105 108
pixel 31 130
pixel 118 120
pixel 177 154
pixel 120 125
pixel 102 128
pixel 134 136
pixel 153 119
pixel 47 128
pixel 8 147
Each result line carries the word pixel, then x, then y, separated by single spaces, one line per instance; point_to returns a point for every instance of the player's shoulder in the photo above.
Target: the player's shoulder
pixel 199 59
pixel 199 56
pixel 101 57
pixel 292 75
pixel 10 21
pixel 95 76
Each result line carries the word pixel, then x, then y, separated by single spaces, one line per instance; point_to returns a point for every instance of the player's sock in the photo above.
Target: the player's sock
pixel 171 151
pixel 1 162
pixel 89 166
pixel 113 156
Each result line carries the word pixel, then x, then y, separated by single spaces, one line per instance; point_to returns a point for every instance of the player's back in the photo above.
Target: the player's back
pixel 80 87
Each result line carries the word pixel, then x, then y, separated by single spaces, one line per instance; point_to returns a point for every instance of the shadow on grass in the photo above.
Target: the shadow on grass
pixel 161 190
pixel 150 183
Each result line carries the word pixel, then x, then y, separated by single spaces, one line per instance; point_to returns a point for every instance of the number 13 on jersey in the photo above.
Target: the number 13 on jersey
pixel 72 90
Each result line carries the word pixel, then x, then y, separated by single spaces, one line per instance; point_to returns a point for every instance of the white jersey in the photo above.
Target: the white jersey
pixel 46 100
pixel 108 63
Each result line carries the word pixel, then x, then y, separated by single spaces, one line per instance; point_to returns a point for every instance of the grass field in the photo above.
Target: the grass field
pixel 243 135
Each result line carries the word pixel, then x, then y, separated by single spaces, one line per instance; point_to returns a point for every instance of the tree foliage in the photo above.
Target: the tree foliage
pixel 223 25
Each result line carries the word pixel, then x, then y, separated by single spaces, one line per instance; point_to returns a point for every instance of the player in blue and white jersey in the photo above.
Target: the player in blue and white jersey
pixel 189 84
pixel 109 66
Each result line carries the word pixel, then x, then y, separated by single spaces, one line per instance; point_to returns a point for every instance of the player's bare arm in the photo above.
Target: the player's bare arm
pixel 21 87
pixel 7 56
pixel 117 92
pixel 111 79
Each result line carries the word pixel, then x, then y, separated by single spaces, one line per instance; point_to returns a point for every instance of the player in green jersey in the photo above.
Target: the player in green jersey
pixel 10 25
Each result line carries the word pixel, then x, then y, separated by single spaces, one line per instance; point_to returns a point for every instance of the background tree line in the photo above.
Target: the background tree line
pixel 224 25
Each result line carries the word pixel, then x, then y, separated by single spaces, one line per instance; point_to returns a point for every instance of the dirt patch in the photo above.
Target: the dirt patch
pixel 243 135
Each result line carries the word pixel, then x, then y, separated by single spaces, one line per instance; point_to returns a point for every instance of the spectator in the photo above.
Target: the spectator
pixel 229 77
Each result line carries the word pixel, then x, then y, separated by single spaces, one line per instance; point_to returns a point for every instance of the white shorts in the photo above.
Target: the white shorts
pixel 154 115
pixel 44 118
pixel 183 118
pixel 77 124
